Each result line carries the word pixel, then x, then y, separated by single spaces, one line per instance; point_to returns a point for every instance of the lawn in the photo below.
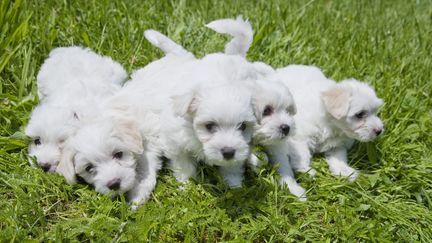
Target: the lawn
pixel 387 43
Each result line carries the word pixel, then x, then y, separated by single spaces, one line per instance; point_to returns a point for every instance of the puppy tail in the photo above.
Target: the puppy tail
pixel 239 29
pixel 164 43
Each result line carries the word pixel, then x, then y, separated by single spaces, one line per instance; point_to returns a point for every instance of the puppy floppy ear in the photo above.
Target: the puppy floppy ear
pixel 185 103
pixel 129 132
pixel 336 101
pixel 66 166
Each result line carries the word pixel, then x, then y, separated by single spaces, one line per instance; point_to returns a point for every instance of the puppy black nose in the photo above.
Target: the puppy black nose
pixel 378 131
pixel 285 129
pixel 228 152
pixel 114 184
pixel 46 167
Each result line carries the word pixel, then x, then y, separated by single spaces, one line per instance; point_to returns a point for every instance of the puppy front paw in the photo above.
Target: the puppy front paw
pixel 345 171
pixel 134 207
pixel 294 188
pixel 234 182
pixel 312 172
pixel 182 178
pixel 135 203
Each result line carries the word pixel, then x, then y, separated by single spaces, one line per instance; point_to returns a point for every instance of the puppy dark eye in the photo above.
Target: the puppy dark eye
pixel 268 110
pixel 118 155
pixel 89 168
pixel 361 114
pixel 242 126
pixel 211 127
pixel 37 141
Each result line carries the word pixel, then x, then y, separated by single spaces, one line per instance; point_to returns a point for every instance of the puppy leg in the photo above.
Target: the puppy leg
pixel 148 169
pixel 337 161
pixel 278 154
pixel 300 157
pixel 183 167
pixel 233 175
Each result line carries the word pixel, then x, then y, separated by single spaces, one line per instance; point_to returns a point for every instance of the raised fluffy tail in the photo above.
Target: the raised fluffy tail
pixel 164 43
pixel 239 29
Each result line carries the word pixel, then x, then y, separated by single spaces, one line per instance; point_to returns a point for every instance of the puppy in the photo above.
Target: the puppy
pixel 49 127
pixel 273 104
pixel 116 152
pixel 213 124
pixel 71 83
pixel 209 121
pixel 331 116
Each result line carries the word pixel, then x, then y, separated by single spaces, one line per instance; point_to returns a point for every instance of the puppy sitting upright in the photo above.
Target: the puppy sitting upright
pixel 331 116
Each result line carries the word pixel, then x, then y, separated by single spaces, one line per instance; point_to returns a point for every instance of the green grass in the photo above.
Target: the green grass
pixel 388 43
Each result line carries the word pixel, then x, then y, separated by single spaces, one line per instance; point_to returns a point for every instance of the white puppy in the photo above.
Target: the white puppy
pixel 203 118
pixel 213 124
pixel 272 101
pixel 71 83
pixel 331 116
pixel 116 153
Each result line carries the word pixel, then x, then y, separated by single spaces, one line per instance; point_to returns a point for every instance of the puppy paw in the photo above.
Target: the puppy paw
pixel 182 178
pixel 294 188
pixel 345 171
pixel 183 186
pixel 353 176
pixel 135 204
pixel 134 207
pixel 234 183
pixel 312 172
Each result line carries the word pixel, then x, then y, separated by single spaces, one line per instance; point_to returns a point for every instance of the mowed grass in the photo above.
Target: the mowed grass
pixel 387 43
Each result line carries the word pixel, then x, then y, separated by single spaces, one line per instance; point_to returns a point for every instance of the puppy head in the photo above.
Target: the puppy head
pixel 353 107
pixel 48 128
pixel 104 154
pixel 222 119
pixel 274 109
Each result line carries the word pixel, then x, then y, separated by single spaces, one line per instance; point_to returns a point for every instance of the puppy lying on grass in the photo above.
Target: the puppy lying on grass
pixel 330 117
pixel 203 118
pixel 71 83
pixel 117 152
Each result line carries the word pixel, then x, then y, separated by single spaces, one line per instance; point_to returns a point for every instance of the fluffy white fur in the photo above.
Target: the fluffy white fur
pixel 71 83
pixel 331 116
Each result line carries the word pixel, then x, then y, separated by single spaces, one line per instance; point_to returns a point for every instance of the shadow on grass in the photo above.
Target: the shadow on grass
pixel 237 202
